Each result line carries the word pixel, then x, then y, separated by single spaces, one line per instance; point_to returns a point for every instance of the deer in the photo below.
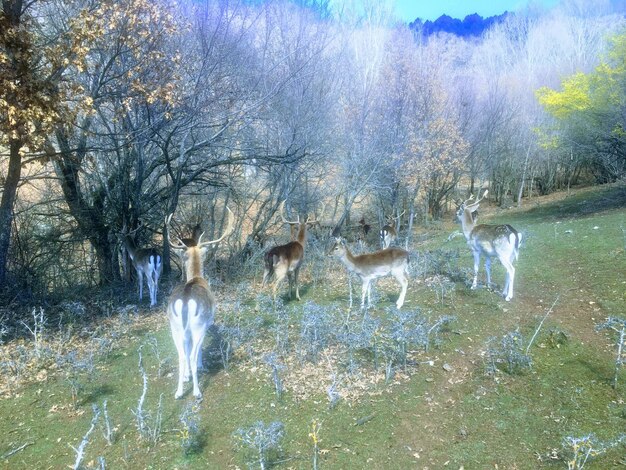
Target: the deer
pixel 502 241
pixel 363 230
pixel 285 260
pixel 147 262
pixel 388 233
pixel 370 266
pixel 191 308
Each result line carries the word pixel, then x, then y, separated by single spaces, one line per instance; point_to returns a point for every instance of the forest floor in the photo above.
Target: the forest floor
pixel 370 390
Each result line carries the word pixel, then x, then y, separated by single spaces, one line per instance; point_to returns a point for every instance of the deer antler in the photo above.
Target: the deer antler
pixel 125 230
pixel 179 245
pixel 229 229
pixel 282 207
pixel 399 215
pixel 314 221
pixel 475 204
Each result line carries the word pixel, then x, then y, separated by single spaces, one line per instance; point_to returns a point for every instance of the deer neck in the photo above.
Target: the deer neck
pixel 467 222
pixel 301 238
pixel 131 248
pixel 193 267
pixel 348 259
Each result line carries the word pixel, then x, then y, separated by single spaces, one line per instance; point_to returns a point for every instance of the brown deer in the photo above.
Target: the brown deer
pixel 394 261
pixel 191 308
pixel 502 241
pixel 363 231
pixel 286 260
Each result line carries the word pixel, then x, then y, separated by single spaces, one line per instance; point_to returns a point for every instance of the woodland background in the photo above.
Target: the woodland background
pixel 115 114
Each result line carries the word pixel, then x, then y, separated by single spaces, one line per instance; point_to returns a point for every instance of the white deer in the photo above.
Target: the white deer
pixel 191 309
pixel 502 241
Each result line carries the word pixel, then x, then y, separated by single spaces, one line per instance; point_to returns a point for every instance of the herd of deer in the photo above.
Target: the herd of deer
pixel 191 306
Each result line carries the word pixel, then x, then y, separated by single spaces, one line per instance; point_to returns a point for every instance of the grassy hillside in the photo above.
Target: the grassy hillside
pixel 403 400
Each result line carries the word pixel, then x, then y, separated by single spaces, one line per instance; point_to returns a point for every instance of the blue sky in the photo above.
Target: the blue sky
pixel 408 10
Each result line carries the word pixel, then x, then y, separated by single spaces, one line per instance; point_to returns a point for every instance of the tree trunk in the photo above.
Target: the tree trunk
pixel 411 202
pixel 11 15
pixel 6 206
pixel 90 216
pixel 523 182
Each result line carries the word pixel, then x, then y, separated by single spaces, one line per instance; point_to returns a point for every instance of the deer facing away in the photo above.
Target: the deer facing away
pixel 191 309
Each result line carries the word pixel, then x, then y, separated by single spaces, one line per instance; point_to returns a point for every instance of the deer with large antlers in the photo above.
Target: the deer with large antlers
pixel 285 260
pixel 502 241
pixel 147 262
pixel 191 308
pixel 368 267
pixel 388 233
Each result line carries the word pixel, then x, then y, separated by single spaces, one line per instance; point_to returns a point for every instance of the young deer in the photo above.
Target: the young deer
pixel 394 261
pixel 147 262
pixel 502 241
pixel 191 309
pixel 286 260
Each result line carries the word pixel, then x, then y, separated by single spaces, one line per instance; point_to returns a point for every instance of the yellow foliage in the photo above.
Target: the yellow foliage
pixel 573 97
pixel 597 91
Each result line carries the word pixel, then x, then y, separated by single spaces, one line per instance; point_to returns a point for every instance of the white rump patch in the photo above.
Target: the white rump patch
pixel 192 307
pixel 178 307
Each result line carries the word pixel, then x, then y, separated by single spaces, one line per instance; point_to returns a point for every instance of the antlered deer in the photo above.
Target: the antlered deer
pixel 191 309
pixel 286 260
pixel 502 241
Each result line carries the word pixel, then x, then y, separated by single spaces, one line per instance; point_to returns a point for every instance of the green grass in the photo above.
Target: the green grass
pixel 433 417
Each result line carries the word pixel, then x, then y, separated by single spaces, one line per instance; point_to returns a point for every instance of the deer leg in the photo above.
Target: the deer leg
pixel 150 282
pixel 510 276
pixel 279 272
pixel 187 348
pixel 177 334
pixel 295 275
pixel 290 279
pixel 488 270
pixel 140 279
pixel 404 283
pixel 476 254
pixel 157 275
pixel 197 336
pixel 364 291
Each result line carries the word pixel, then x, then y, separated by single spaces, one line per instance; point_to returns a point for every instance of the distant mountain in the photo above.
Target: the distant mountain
pixel 471 25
